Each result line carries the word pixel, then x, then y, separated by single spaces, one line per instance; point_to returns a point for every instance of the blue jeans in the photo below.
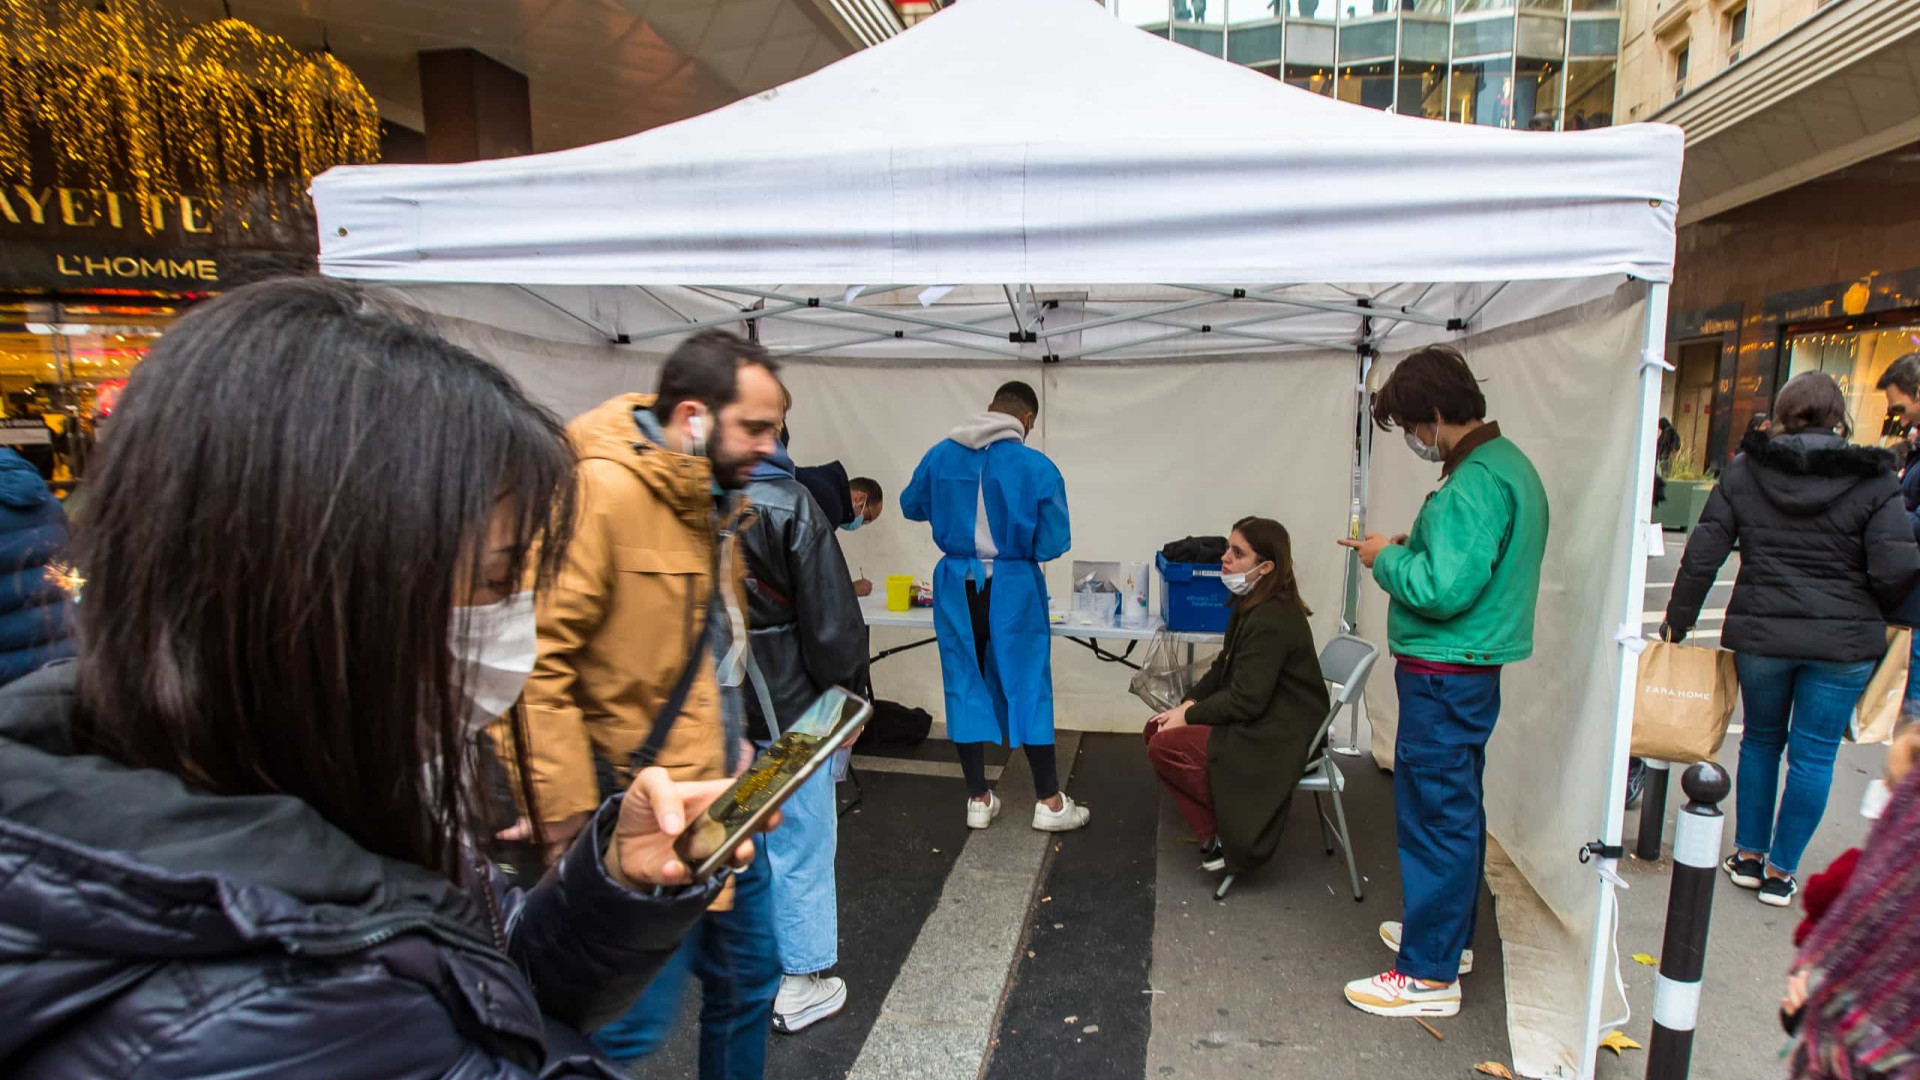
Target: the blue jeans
pixel 1801 707
pixel 1439 757
pixel 1911 706
pixel 732 954
pixel 806 921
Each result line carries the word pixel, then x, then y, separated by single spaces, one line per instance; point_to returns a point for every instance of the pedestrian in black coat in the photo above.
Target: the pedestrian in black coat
pixel 1825 554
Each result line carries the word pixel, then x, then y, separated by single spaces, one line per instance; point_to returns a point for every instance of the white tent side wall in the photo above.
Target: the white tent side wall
pixel 1550 774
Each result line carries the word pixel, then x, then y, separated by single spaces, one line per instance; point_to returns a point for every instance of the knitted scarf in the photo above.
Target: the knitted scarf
pixel 1862 1019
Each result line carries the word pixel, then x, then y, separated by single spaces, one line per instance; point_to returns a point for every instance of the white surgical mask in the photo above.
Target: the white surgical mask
pixel 1423 451
pixel 494 647
pixel 1241 584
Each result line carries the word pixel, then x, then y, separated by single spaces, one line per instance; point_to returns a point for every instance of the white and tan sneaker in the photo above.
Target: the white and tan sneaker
pixel 1390 933
pixel 1069 817
pixel 981 814
pixel 1393 994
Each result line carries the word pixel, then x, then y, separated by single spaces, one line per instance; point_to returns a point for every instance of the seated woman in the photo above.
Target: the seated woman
pixel 1231 754
pixel 232 835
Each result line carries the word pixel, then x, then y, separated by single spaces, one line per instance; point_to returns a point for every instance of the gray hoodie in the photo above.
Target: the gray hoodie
pixel 978 433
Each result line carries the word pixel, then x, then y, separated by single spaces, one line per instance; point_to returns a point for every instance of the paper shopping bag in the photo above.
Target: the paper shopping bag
pixel 1684 701
pixel 1879 710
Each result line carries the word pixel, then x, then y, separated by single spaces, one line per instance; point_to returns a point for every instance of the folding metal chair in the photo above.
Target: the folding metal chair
pixel 1346 662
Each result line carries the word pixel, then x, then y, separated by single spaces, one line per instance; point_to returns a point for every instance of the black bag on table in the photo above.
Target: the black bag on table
pixel 1196 549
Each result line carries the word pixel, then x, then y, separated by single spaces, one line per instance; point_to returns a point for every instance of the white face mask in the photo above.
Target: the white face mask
pixel 1423 451
pixel 1242 584
pixel 494 647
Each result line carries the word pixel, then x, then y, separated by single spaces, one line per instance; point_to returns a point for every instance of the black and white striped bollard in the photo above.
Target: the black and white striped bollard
pixel 1653 810
pixel 1683 954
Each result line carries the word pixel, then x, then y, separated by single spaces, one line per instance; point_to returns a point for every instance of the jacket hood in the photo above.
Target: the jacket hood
pixel 106 870
pixel 1804 474
pixel 610 431
pixel 20 484
pixel 982 431
pixel 778 465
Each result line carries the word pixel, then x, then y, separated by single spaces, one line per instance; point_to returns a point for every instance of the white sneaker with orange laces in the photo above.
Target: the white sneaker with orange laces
pixel 1394 994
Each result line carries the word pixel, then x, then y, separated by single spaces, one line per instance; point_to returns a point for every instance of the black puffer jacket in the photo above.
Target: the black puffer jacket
pixel 1825 550
pixel 807 629
pixel 148 929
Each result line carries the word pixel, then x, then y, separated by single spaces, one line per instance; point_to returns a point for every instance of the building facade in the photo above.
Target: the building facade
pixel 1544 65
pixel 1799 239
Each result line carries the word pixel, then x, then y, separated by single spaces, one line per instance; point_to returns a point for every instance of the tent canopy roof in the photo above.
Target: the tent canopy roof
pixel 1038 142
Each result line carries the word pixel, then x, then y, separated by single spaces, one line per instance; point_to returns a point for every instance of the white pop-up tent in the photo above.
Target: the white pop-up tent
pixel 1203 270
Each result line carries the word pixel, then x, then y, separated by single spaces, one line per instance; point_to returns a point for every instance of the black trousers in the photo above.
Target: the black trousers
pixel 973 756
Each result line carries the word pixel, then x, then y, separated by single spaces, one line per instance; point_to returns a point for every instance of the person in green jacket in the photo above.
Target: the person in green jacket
pixel 1463 584
pixel 1227 752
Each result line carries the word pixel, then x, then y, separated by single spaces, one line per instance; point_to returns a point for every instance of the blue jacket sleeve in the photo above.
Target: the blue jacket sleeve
pixel 589 945
pixel 1053 530
pixel 916 503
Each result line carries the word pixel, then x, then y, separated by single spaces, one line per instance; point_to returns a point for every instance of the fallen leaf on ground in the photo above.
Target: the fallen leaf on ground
pixel 1644 958
pixel 1494 1068
pixel 1091 1029
pixel 1070 1019
pixel 1617 1041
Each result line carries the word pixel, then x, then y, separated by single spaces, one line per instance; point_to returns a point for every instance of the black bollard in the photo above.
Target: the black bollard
pixel 1683 954
pixel 1653 811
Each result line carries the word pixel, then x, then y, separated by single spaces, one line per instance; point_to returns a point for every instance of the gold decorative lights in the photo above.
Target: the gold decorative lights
pixel 130 97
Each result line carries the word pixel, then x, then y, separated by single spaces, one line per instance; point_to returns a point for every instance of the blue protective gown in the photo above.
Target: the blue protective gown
pixel 1011 702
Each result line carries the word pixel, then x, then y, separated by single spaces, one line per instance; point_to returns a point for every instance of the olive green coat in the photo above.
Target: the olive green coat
pixel 1264 699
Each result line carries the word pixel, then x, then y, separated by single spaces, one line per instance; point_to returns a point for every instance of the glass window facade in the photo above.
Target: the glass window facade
pixel 1542 65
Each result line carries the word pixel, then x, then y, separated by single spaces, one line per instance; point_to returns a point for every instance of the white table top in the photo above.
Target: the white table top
pixel 875 609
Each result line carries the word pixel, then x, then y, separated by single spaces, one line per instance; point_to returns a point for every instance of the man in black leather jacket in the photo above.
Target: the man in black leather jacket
pixel 808 636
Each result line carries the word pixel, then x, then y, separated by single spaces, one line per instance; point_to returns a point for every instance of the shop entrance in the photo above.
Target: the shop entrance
pixel 62 366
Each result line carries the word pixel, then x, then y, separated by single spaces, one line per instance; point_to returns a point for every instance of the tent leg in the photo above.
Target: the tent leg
pixel 1357 527
pixel 1653 346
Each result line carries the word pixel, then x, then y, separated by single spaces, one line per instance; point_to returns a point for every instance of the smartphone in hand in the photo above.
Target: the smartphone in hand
pixel 832 721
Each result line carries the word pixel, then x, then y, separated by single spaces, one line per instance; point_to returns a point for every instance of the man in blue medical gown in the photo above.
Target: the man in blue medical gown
pixel 999 510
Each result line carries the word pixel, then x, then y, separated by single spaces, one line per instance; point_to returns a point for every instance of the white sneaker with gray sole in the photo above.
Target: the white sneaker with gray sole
pixel 805 1000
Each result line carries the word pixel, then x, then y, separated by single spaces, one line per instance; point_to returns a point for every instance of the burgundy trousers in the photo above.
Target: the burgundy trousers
pixel 1179 757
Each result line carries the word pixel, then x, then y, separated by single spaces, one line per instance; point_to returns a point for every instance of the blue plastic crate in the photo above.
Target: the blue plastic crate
pixel 1192 599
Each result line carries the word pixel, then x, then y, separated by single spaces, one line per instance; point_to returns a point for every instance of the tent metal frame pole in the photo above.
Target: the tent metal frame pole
pixel 835 305
pixel 1362 469
pixel 655 297
pixel 923 333
pixel 1491 297
pixel 1353 307
pixel 1639 512
pixel 1111 320
pixel 610 335
pixel 870 336
pixel 1227 329
pixel 743 315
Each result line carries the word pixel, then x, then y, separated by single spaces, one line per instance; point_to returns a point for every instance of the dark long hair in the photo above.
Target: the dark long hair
pixel 296 479
pixel 1270 543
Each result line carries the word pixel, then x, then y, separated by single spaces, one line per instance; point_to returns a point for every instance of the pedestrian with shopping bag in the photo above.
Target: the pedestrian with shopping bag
pixel 1825 551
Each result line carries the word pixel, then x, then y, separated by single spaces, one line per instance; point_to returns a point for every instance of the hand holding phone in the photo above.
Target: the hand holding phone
pixel 654 815
pixel 745 805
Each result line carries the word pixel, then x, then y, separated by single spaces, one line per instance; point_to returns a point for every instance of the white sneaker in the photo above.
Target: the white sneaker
pixel 805 1000
pixel 1069 817
pixel 1390 933
pixel 1393 994
pixel 981 814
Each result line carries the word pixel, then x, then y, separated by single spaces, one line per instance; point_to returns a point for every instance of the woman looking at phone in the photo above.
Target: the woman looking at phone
pixel 1231 753
pixel 234 834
